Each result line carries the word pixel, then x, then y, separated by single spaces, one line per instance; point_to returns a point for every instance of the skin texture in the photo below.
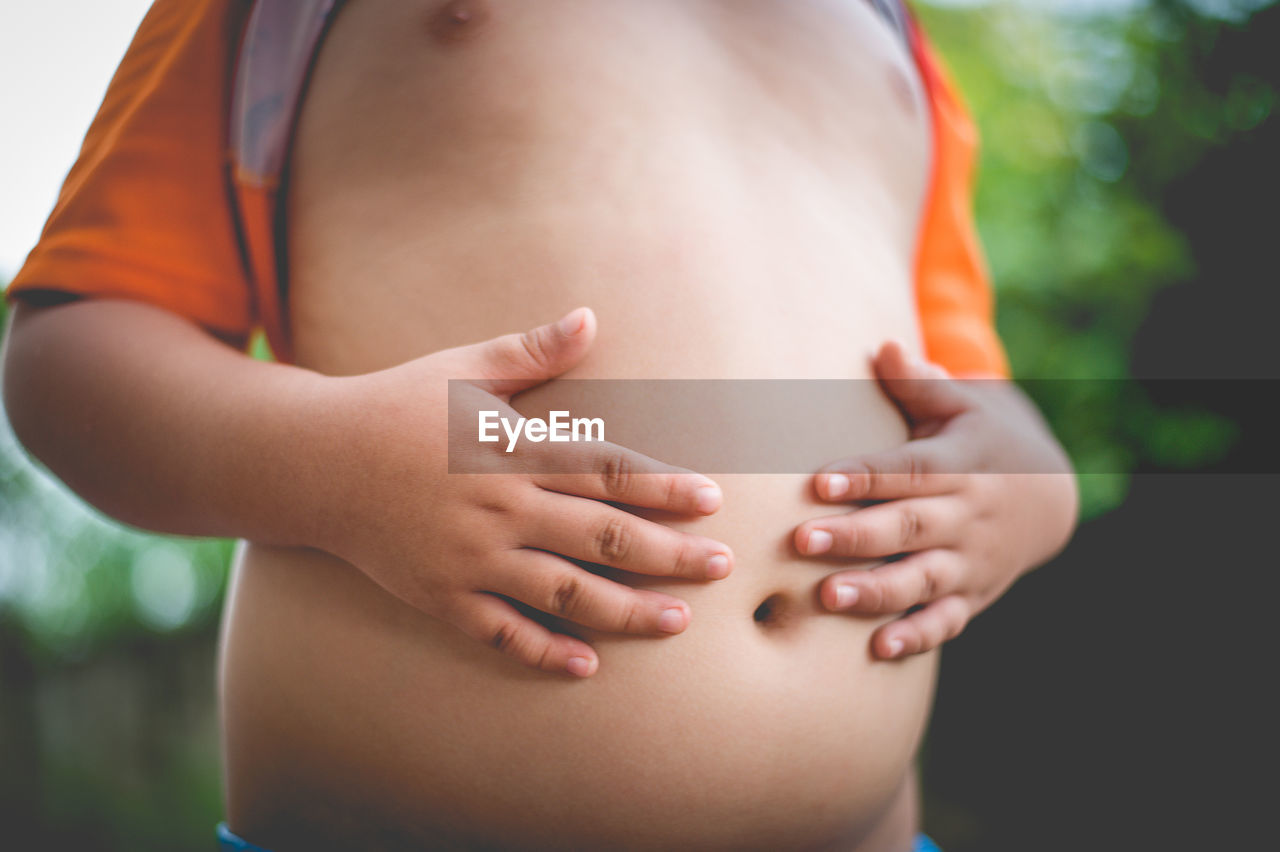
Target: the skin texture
pixel 739 204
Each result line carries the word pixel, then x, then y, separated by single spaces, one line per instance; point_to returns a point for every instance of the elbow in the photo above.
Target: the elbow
pixel 25 376
pixel 15 376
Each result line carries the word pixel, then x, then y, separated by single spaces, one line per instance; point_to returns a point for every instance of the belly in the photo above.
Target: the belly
pixel 350 715
pixel 731 210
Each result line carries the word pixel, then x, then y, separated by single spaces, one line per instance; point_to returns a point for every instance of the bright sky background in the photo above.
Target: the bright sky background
pixel 56 58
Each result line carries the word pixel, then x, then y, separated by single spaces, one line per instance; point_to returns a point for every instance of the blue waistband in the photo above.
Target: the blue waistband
pixel 925 844
pixel 230 843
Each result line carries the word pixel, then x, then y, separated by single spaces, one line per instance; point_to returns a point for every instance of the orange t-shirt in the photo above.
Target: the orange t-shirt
pixel 154 210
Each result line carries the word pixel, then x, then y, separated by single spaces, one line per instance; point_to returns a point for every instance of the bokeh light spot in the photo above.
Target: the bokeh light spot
pixel 164 587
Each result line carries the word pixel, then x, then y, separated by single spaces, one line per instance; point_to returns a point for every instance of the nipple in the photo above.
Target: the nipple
pixel 459 20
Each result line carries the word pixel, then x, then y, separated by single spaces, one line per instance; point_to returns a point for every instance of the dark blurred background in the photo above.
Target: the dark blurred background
pixel 1118 698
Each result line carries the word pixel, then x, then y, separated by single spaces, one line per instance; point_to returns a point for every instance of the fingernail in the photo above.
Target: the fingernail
pixel 580 666
pixel 837 486
pixel 895 647
pixel 707 499
pixel 671 620
pixel 820 541
pixel 718 567
pixel 846 596
pixel 572 324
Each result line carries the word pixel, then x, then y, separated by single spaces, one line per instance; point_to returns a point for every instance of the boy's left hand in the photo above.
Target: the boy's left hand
pixel 981 493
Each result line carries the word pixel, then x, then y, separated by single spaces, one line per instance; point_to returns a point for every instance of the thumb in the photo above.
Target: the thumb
pixel 514 362
pixel 921 390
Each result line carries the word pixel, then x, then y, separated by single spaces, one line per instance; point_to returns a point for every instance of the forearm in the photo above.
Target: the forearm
pixel 161 426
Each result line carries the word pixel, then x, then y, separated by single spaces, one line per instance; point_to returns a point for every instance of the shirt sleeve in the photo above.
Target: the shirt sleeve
pixel 953 287
pixel 145 213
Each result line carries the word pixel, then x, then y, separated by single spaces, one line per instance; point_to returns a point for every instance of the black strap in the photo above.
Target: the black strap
pixel 895 14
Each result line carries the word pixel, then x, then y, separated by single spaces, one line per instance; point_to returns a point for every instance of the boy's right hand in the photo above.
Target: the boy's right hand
pixel 458 546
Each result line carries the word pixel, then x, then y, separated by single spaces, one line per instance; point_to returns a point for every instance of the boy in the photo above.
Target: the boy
pixel 735 188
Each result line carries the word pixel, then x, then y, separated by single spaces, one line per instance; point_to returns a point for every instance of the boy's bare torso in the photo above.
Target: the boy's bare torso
pixel 734 186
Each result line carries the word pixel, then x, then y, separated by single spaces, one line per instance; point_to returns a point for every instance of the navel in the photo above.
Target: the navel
pixel 459 20
pixel 773 612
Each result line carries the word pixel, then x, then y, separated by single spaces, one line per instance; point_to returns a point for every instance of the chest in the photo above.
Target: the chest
pixel 488 160
pixel 440 83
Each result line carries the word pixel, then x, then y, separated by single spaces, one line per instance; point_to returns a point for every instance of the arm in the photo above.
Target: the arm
pixel 161 425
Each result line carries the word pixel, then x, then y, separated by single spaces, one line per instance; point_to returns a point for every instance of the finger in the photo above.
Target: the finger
pixel 597 532
pixel 898 526
pixel 894 586
pixel 923 391
pixel 622 476
pixel 498 624
pixel 553 585
pixel 914 469
pixel 514 362
pixel 923 630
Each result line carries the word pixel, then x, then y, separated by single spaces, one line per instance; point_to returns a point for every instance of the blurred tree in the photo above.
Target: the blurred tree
pixel 1118 698
pixel 108 729
pixel 1087 116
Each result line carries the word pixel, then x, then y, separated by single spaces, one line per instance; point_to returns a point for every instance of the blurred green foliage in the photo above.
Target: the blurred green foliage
pixel 1085 119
